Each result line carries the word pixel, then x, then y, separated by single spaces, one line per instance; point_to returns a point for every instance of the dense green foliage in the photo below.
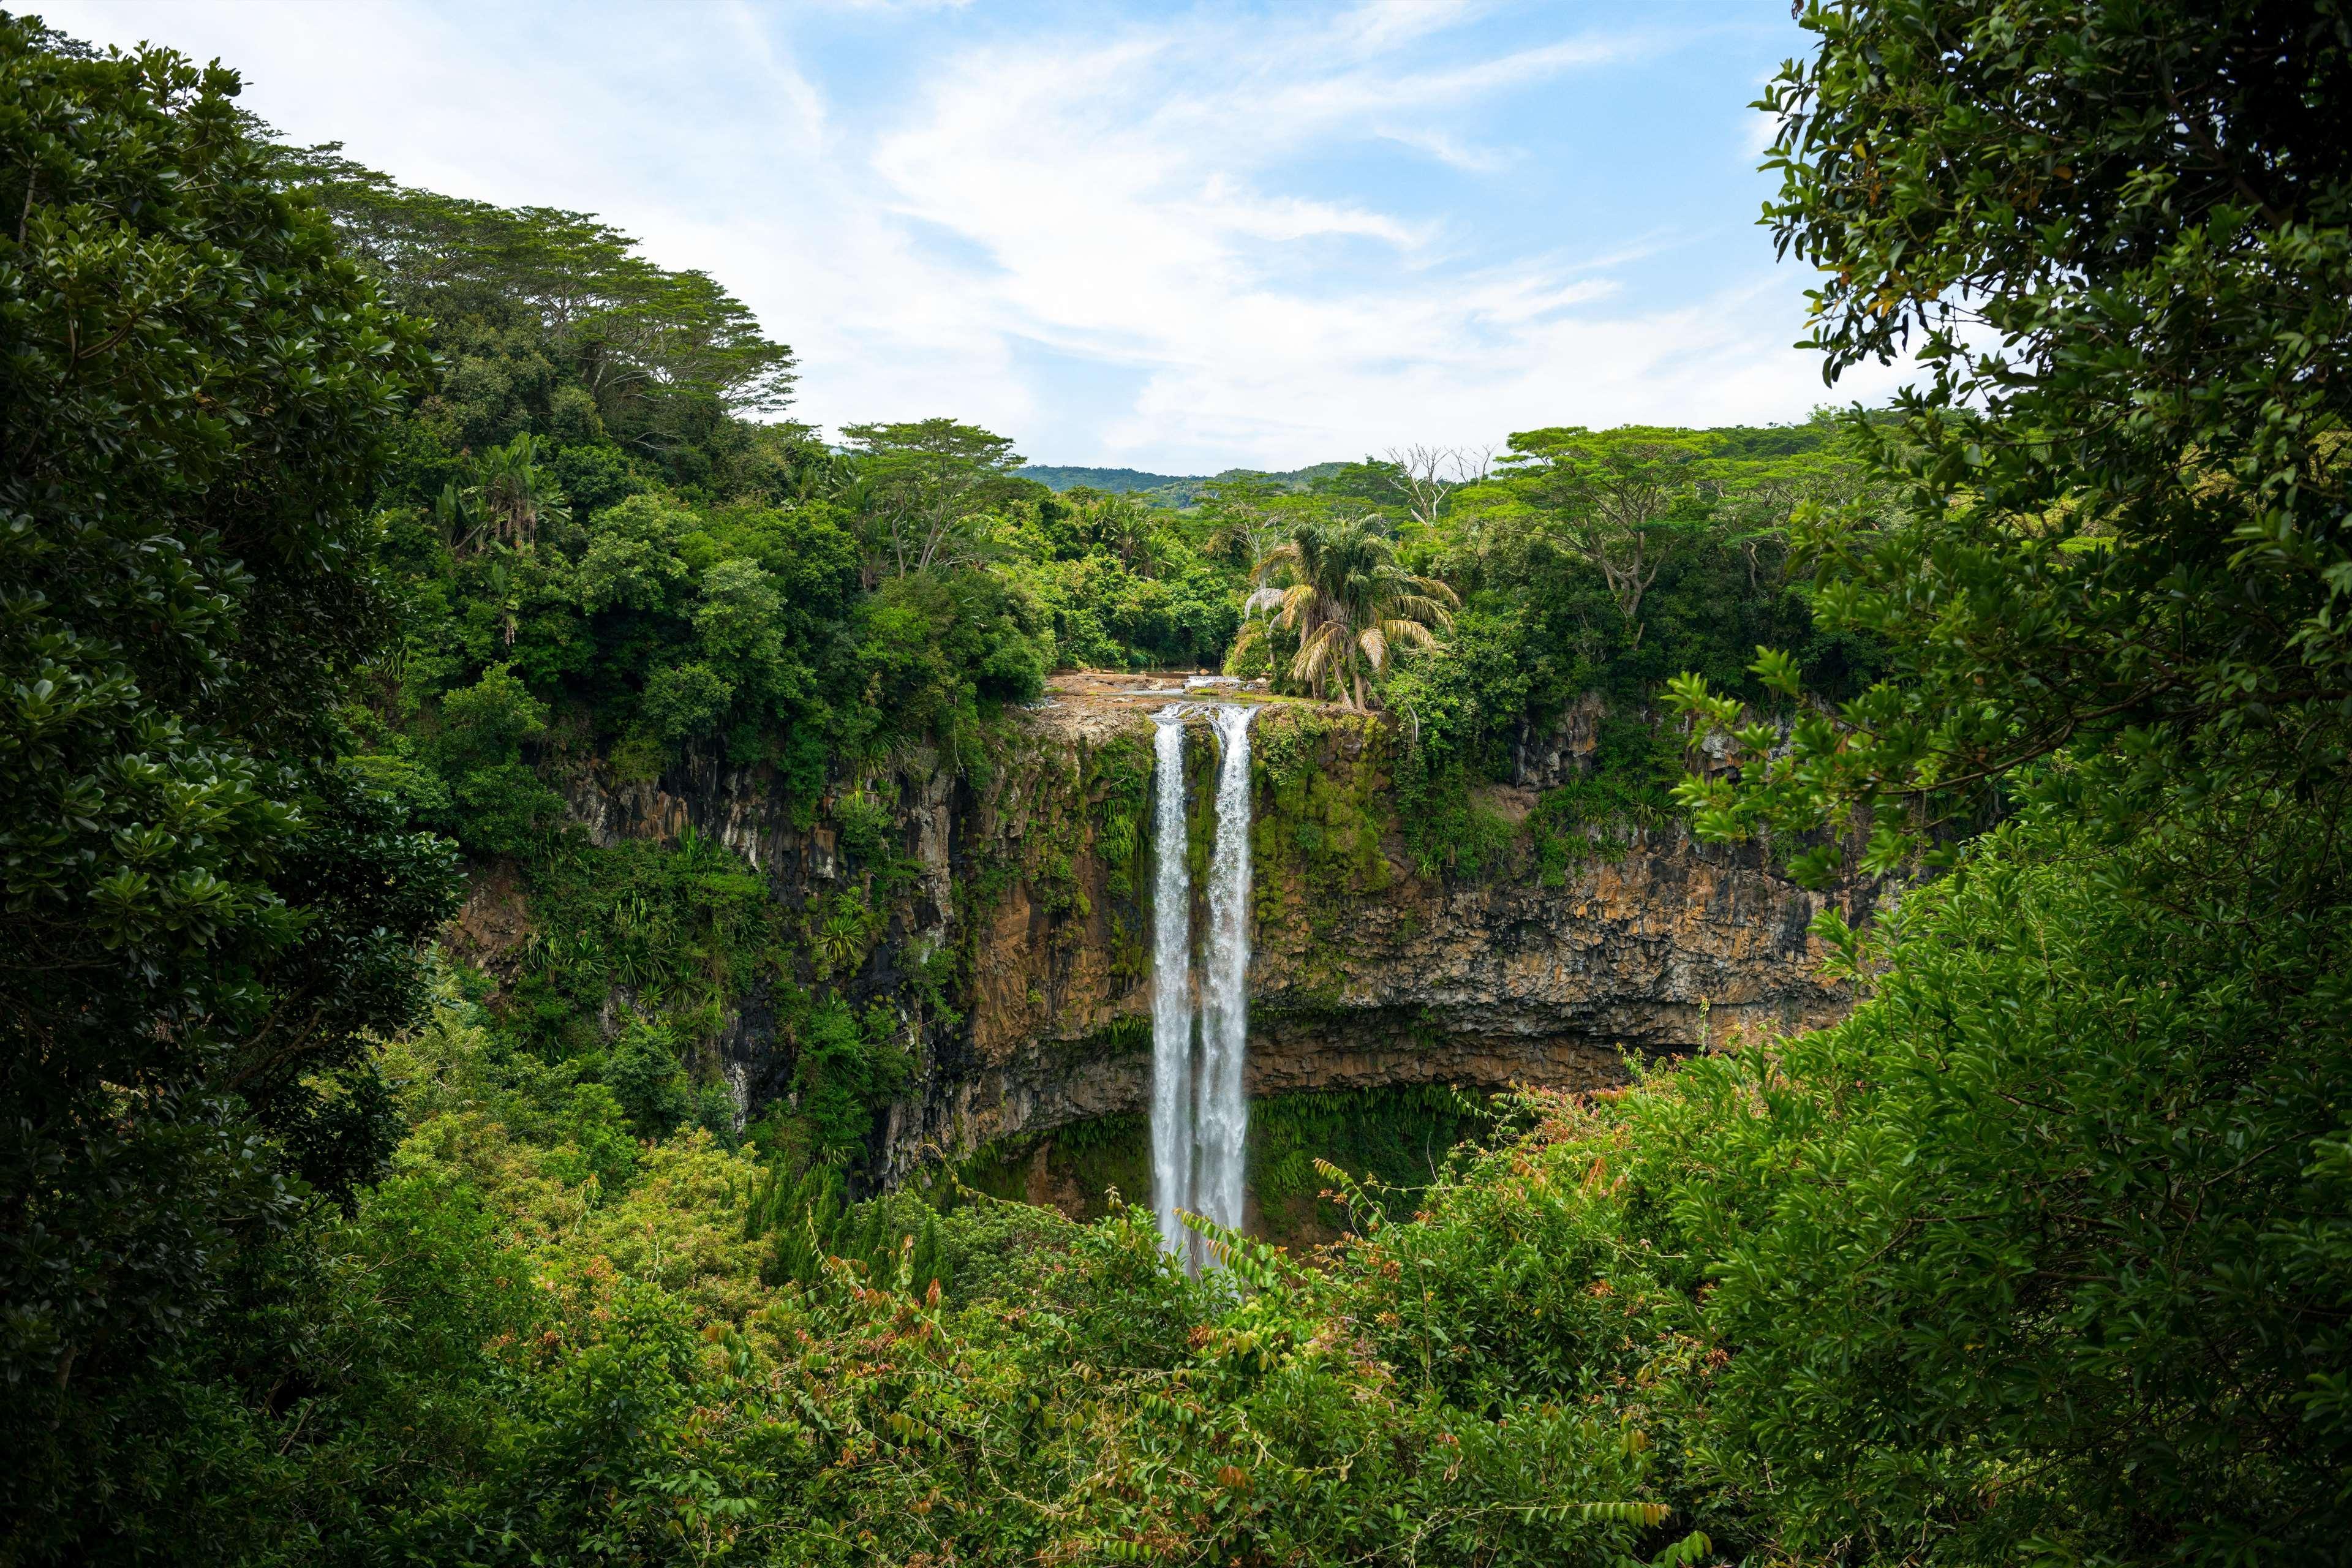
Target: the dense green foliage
pixel 205 908
pixel 319 1249
pixel 2042 1256
pixel 540 1339
pixel 1592 568
pixel 2117 235
pixel 2111 597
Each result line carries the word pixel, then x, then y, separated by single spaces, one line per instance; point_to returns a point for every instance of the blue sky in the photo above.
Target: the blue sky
pixel 1172 237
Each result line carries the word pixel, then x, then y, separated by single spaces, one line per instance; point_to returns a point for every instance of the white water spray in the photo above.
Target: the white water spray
pixel 1171 988
pixel 1222 1107
pixel 1199 1108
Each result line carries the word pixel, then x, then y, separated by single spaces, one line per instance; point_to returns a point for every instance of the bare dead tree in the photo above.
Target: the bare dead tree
pixel 1427 477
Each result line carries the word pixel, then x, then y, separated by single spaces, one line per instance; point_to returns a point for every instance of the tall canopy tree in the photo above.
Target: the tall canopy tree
pixel 661 353
pixel 1427 478
pixel 1243 518
pixel 1621 498
pixel 927 480
pixel 203 911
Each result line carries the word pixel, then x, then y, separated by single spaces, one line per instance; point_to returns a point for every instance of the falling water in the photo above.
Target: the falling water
pixel 1221 1106
pixel 1171 989
pixel 1200 1114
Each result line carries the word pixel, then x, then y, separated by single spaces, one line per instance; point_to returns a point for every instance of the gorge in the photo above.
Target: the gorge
pixel 1058 877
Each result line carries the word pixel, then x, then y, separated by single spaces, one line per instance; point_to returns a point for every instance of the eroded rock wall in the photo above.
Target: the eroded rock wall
pixel 1030 865
pixel 1366 973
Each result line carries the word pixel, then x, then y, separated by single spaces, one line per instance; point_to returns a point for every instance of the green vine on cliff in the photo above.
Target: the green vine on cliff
pixel 1322 818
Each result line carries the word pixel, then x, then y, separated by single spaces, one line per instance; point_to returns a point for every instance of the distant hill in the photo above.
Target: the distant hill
pixel 1116 481
pixel 1159 489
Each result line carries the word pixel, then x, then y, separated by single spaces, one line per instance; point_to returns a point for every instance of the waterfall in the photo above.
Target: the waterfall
pixel 1172 987
pixel 1223 1107
pixel 1200 1110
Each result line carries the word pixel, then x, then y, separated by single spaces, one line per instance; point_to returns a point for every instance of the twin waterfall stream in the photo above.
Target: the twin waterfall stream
pixel 1199 1020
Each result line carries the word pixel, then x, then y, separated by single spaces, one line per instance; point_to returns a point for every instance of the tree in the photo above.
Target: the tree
pixel 506 495
pixel 927 480
pixel 204 911
pixel 1755 497
pixel 2116 236
pixel 660 352
pixel 1245 518
pixel 1350 606
pixel 1125 527
pixel 1428 476
pixel 1621 498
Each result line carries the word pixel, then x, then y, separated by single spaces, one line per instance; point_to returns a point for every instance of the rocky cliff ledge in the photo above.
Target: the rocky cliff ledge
pixel 1030 867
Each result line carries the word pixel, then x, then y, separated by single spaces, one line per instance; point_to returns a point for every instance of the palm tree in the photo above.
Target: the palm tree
pixel 1127 527
pixel 1338 588
pixel 516 492
pixel 506 495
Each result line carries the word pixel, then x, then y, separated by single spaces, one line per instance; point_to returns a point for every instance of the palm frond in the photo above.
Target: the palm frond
pixel 1322 652
pixel 1410 635
pixel 1420 607
pixel 1253 634
pixel 1436 588
pixel 1279 558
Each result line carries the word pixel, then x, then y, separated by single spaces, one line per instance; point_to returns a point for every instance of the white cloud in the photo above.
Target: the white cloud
pixel 1126 199
pixel 1384 24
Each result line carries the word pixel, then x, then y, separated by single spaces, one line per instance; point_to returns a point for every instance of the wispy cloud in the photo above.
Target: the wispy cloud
pixel 1141 222
pixel 1176 239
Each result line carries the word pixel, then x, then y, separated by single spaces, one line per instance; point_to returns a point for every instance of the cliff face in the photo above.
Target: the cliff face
pixel 1031 865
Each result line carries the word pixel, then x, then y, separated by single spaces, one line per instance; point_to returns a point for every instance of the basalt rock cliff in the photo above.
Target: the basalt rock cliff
pixel 1025 861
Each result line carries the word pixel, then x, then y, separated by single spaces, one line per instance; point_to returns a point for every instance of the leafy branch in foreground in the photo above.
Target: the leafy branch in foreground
pixel 207 911
pixel 2116 237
